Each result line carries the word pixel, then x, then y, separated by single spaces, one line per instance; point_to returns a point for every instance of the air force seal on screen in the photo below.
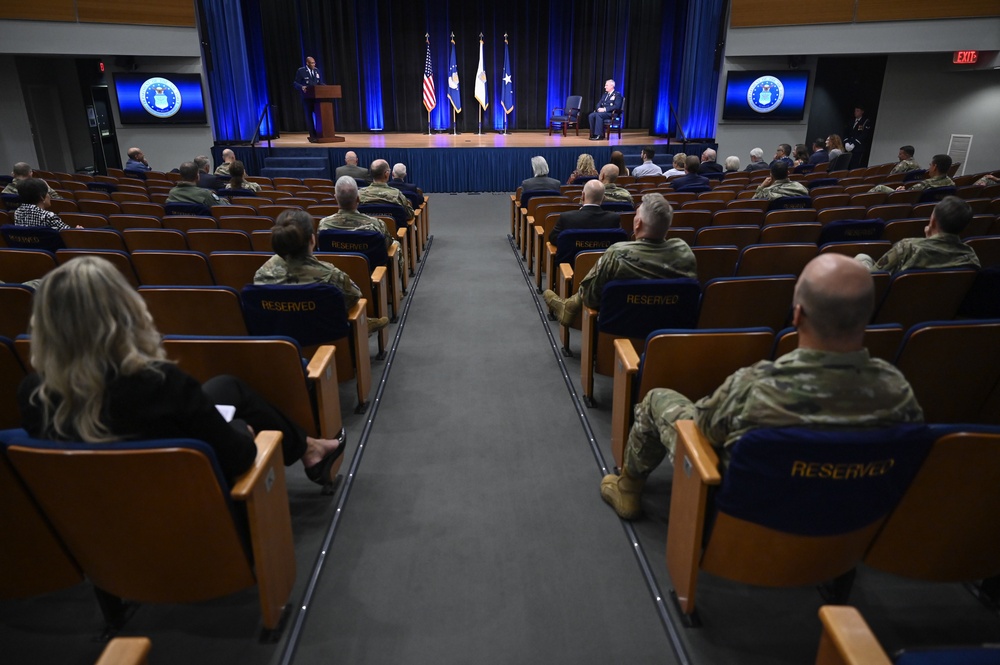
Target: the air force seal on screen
pixel 160 97
pixel 765 94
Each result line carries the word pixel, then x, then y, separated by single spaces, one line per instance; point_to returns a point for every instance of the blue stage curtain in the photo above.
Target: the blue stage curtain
pixel 699 77
pixel 370 81
pixel 236 74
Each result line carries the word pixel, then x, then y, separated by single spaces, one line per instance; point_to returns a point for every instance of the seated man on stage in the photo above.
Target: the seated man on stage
pixel 829 381
pixel 650 256
pixel 381 192
pixel 610 102
pixel 349 219
pixel 304 77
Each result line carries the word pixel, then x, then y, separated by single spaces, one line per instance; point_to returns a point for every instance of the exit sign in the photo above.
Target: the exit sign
pixel 965 57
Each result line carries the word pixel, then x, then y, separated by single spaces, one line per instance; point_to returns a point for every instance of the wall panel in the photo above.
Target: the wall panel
pixel 39 10
pixel 162 12
pixel 751 13
pixel 893 10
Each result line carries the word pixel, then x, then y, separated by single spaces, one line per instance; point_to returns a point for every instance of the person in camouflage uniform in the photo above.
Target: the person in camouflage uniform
pixel 228 157
pixel 829 381
pixel 293 263
pixel 187 190
pixel 778 186
pixel 612 192
pixel 380 191
pixel 22 171
pixel 937 176
pixel 906 161
pixel 650 256
pixel 940 248
pixel 349 219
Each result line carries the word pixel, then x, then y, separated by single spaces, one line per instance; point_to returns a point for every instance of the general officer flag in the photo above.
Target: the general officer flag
pixel 454 93
pixel 481 80
pixel 507 87
pixel 430 99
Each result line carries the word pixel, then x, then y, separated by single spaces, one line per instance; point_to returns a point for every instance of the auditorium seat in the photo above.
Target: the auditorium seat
pixel 897 229
pixel 99 207
pixel 373 284
pixel 372 245
pixel 248 223
pixel 790 216
pixel 196 551
pixel 88 220
pixel 32 237
pixel 695 219
pixel 170 240
pixel 93 239
pixel 542 251
pixel 570 243
pixel 882 341
pixel 676 359
pixel 218 212
pixel 740 236
pixel 129 197
pixel 236 269
pixel 15 311
pixel 139 208
pixel 207 241
pixel 791 233
pixel 180 268
pixel 568 278
pixel 195 310
pixel 742 302
pixel 987 249
pixel 889 211
pixel 61 206
pixel 737 217
pixel 780 259
pixel 716 261
pixel 118 259
pixel 187 222
pixel 916 296
pixel 827 215
pixel 748 204
pixel 22 265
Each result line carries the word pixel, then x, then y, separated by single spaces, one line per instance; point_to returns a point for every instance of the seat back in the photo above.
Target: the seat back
pixel 172 268
pixel 207 241
pixel 718 261
pixel 15 310
pixel 932 194
pixel 32 237
pixel 22 265
pixel 882 341
pixel 397 212
pixel 180 208
pixel 11 373
pixel 369 243
pixel 573 241
pixel 117 258
pixel 790 202
pixel 952 367
pixel 740 236
pixel 236 269
pixel 636 307
pixel 573 105
pixel 93 239
pixel 916 296
pixel 195 551
pixel 167 240
pixel 195 310
pixel 740 302
pixel 778 259
pixel 311 314
pixel 945 528
pixel 851 230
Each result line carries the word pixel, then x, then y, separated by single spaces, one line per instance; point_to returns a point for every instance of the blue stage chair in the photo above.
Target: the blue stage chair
pixel 567 115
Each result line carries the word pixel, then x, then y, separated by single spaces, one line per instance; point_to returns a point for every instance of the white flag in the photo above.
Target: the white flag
pixel 481 80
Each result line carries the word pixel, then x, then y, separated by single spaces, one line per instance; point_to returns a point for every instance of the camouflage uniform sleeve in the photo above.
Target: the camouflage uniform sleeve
pixel 405 202
pixel 716 413
pixel 593 284
pixel 346 285
pixel 897 256
pixel 866 261
pixel 761 193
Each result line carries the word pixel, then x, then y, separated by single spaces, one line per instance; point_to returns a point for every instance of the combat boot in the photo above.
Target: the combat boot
pixel 374 325
pixel 624 494
pixel 565 311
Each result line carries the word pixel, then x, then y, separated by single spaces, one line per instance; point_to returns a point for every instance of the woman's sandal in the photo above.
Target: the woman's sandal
pixel 320 472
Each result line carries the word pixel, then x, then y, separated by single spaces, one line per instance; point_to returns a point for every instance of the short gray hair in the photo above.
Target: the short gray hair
pixel 732 163
pixel 539 166
pixel 201 161
pixel 757 153
pixel 657 213
pixel 346 191
pixel 399 170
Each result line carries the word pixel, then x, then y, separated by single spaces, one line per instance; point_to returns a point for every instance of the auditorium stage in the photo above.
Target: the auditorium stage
pixel 468 162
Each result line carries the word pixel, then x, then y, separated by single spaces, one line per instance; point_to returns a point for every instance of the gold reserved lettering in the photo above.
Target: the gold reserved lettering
pixel 593 243
pixel 348 245
pixel 279 306
pixel 652 300
pixel 25 239
pixel 832 471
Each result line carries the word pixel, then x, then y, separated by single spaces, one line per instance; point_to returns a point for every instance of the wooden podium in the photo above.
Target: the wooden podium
pixel 322 97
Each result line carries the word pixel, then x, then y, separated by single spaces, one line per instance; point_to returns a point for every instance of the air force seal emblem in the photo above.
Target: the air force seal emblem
pixel 765 94
pixel 160 97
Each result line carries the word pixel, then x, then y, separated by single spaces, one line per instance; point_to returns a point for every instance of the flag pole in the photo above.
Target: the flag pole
pixel 427 39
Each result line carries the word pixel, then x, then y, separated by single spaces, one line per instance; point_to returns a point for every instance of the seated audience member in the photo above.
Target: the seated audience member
pixel 103 376
pixel 732 164
pixel 352 169
pixel 819 154
pixel 777 185
pixel 834 146
pixel 906 161
pixel 829 382
pixel 708 163
pixel 757 162
pixel 612 192
pixel 590 215
pixel 647 167
pixel 584 167
pixel 22 171
pixel 293 241
pixel 228 157
pixel 937 176
pixel 783 153
pixel 35 201
pixel 679 166
pixel 541 179
pixel 941 246
pixel 650 256
pixel 987 180
pixel 188 191
pixel 206 179
pixel 137 161
pixel 618 159
pixel 398 180
pixel 349 219
pixel 692 179
pixel 381 192
pixel 800 155
pixel 238 179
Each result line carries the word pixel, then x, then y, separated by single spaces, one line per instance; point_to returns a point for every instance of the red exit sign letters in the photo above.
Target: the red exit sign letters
pixel 965 57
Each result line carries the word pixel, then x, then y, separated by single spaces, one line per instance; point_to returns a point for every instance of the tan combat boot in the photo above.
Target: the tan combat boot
pixel 565 311
pixel 374 325
pixel 624 494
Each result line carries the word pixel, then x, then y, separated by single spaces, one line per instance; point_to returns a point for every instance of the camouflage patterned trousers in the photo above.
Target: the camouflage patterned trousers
pixel 653 436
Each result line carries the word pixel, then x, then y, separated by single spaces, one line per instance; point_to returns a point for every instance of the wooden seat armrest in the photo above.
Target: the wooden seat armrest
pixel 847 639
pixel 322 375
pixel 692 443
pixel 358 318
pixel 267 443
pixel 565 279
pixel 378 275
pixel 588 352
pixel 126 651
pixel 550 265
pixel 626 367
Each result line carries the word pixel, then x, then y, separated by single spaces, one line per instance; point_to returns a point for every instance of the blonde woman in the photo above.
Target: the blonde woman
pixel 678 167
pixel 584 167
pixel 102 376
pixel 834 146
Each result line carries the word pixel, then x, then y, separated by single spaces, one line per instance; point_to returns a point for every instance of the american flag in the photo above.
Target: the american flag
pixel 430 99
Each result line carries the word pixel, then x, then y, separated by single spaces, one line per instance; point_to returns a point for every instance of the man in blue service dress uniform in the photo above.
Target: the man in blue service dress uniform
pixel 304 77
pixel 610 102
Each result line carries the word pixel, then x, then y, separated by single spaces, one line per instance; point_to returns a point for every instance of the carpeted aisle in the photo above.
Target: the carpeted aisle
pixel 474 531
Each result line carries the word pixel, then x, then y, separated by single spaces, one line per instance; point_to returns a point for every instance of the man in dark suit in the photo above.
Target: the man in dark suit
pixel 610 102
pixel 589 216
pixel 540 168
pixel 692 179
pixel 708 163
pixel 352 169
pixel 304 77
pixel 819 155
pixel 206 179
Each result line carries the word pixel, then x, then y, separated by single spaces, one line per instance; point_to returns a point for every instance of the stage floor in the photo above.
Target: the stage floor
pixel 520 139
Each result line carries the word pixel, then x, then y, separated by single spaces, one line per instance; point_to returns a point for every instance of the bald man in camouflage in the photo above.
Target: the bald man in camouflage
pixel 829 381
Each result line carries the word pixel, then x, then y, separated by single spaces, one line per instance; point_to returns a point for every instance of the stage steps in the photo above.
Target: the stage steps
pixel 298 166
